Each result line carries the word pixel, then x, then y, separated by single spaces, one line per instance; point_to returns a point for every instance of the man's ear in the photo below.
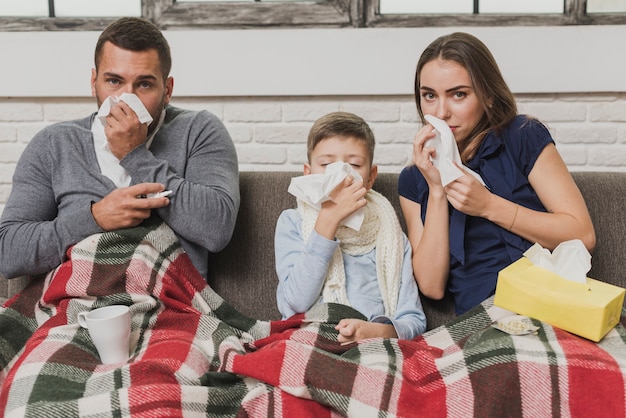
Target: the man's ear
pixel 169 89
pixel 94 75
pixel 306 169
pixel 372 179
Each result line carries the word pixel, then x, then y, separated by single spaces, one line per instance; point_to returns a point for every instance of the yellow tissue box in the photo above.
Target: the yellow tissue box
pixel 589 310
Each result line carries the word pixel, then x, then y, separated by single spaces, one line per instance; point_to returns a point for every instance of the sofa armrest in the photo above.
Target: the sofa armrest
pixel 9 288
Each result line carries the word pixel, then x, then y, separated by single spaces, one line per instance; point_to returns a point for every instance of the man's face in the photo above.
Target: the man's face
pixel 138 72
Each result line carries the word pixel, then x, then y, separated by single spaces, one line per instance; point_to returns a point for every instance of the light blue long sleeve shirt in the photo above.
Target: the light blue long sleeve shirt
pixel 302 269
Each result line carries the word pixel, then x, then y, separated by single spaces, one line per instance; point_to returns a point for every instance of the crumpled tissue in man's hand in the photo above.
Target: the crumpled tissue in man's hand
pixel 133 102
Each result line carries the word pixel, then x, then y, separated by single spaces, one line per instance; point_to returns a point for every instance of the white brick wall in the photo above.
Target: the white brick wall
pixel 270 132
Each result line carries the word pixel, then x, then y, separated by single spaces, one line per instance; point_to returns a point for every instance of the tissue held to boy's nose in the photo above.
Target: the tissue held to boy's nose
pixel 315 189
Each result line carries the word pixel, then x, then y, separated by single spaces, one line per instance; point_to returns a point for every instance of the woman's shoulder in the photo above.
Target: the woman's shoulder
pixel 525 138
pixel 525 125
pixel 527 131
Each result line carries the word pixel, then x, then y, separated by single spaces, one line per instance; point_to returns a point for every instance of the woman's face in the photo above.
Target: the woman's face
pixel 446 92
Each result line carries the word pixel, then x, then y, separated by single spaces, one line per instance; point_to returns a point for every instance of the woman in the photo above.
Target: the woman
pixel 464 233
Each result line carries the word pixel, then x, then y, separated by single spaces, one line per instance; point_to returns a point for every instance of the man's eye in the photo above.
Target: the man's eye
pixel 145 85
pixel 113 81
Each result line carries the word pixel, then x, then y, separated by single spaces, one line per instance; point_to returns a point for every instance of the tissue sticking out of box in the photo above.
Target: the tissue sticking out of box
pixel 570 260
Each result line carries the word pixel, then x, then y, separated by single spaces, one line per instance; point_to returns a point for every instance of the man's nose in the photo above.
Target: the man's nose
pixel 127 88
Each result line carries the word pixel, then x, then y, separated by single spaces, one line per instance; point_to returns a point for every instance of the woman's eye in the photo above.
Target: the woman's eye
pixel 460 94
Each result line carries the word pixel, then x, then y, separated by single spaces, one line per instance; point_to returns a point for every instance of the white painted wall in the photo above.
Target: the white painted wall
pixel 304 62
pixel 268 86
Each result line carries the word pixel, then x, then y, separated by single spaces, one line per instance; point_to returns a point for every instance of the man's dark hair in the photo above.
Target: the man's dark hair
pixel 136 34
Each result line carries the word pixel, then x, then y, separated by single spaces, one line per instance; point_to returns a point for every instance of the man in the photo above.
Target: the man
pixel 87 176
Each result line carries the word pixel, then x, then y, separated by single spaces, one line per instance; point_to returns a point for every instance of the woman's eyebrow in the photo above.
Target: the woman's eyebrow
pixel 459 87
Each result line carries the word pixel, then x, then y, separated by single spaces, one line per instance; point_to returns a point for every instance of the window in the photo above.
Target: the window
pixel 36 15
pixel 426 13
pixel 470 6
pixel 70 8
pixel 606 6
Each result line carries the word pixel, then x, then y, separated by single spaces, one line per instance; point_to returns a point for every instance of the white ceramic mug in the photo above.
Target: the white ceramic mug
pixel 109 328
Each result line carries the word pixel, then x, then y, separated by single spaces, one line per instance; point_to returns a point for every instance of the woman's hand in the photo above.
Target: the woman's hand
pixel 422 156
pixel 466 194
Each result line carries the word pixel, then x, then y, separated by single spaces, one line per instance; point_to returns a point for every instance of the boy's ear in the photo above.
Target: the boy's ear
pixel 372 179
pixel 306 169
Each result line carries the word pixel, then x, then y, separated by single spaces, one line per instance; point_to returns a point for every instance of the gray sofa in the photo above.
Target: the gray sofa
pixel 243 273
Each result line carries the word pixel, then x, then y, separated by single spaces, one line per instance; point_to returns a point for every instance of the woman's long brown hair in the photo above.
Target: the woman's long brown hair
pixel 492 91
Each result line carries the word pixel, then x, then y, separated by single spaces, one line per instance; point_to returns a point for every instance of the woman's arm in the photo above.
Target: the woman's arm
pixel 566 218
pixel 430 242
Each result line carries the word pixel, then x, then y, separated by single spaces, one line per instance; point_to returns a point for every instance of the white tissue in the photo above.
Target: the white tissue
pixel 570 259
pixel 315 189
pixel 133 102
pixel 446 152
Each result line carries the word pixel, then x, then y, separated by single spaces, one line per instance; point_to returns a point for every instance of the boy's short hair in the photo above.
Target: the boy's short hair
pixel 341 124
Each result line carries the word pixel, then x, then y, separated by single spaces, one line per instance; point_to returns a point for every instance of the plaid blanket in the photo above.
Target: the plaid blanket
pixel 194 355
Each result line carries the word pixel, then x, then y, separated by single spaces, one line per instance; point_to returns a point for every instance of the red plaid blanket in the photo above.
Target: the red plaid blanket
pixel 194 355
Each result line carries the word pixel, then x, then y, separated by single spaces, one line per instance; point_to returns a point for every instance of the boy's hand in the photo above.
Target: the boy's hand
pixel 346 198
pixel 353 330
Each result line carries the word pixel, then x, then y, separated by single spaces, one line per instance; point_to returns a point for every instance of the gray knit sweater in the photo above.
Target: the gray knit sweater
pixel 58 177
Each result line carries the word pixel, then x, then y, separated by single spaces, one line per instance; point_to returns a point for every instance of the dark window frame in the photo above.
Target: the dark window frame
pixel 169 14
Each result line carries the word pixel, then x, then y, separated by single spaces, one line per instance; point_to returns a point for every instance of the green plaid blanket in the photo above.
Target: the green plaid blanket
pixel 193 355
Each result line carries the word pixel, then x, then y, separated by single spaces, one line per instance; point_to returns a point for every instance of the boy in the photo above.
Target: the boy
pixel 320 260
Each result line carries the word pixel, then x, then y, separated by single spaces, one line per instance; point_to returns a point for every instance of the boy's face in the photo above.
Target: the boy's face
pixel 347 149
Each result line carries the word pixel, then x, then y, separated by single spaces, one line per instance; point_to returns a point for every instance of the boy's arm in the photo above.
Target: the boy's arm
pixel 301 268
pixel 409 320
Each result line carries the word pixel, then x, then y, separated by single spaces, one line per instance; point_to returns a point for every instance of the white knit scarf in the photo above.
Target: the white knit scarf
pixel 381 230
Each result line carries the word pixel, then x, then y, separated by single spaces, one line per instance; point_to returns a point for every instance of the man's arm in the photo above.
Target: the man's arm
pixel 33 236
pixel 205 200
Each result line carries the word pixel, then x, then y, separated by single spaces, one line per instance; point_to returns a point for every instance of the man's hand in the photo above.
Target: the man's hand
pixel 353 330
pixel 124 208
pixel 123 130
